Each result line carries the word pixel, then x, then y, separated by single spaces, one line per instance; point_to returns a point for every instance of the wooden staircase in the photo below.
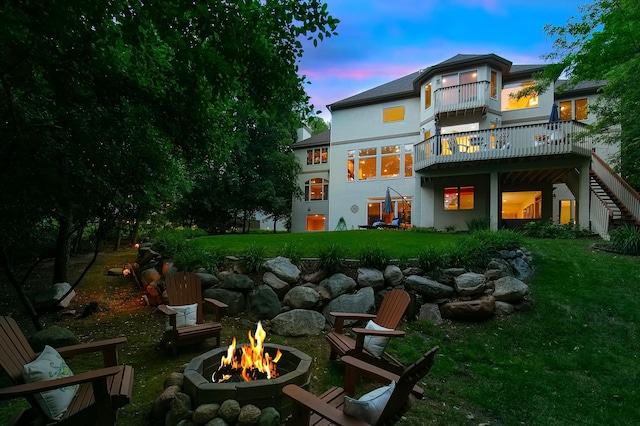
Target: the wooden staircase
pixel 620 214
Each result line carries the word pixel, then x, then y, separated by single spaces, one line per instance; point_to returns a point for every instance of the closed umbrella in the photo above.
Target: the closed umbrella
pixel 388 205
pixel 555 114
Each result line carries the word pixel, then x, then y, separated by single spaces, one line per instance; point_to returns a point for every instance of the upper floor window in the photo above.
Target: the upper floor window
pixel 351 166
pixel 458 198
pixel 317 155
pixel 408 160
pixel 581 110
pixel 390 161
pixel 393 114
pixel 427 96
pixel 510 103
pixel 566 111
pixel 367 163
pixel 493 85
pixel 316 189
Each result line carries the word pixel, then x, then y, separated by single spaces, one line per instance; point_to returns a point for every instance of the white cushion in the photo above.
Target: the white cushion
pixel 369 406
pixel 49 366
pixel 375 344
pixel 186 315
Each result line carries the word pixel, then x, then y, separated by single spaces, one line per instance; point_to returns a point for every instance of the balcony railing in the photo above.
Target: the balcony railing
pixel 563 137
pixel 461 97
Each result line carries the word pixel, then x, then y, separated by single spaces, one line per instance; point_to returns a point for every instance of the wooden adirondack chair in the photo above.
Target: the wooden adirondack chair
pixel 101 393
pixel 184 288
pixel 327 409
pixel 394 304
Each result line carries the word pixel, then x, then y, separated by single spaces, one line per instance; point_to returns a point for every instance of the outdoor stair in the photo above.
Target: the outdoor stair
pixel 620 214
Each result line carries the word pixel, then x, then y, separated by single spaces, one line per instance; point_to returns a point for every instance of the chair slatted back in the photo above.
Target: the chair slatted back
pixel 15 350
pixel 394 304
pixel 401 398
pixel 184 288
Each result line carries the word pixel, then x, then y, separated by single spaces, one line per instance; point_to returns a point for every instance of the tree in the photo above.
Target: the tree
pixel 317 124
pixel 604 44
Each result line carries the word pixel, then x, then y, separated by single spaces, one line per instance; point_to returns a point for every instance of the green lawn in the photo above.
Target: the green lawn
pixel 571 360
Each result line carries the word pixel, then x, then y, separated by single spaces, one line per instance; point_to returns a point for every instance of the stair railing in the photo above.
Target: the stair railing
pixel 600 215
pixel 621 189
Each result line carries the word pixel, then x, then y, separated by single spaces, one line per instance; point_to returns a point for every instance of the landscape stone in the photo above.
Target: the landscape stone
pixel 269 417
pixel 217 422
pixel 315 277
pixel 174 379
pixel 234 299
pixel 368 277
pixel 207 280
pixel 393 275
pixel 181 406
pixel 298 322
pixel 51 296
pixel 510 289
pixel 54 336
pixel 302 297
pixel 162 404
pixel 186 422
pixel 471 310
pixel 430 312
pixel 504 308
pixel 338 284
pixel 229 410
pixel 115 272
pixel 521 268
pixel 469 284
pixel 205 412
pixel 428 288
pixel 282 268
pixel 279 286
pixel 263 303
pixel 249 415
pixel 502 265
pixel 361 302
pixel 238 282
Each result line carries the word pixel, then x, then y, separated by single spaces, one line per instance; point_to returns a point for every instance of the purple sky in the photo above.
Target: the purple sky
pixel 381 40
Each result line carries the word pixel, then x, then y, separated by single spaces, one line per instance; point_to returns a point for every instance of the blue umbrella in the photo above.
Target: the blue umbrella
pixel 388 205
pixel 555 114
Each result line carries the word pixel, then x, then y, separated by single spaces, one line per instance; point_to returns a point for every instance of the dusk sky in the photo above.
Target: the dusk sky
pixel 382 40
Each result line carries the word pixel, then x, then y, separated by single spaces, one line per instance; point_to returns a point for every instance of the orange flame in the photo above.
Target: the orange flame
pixel 252 360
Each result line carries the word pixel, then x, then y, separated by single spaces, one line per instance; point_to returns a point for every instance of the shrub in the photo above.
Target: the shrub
pixel 431 260
pixel 191 257
pixel 253 257
pixel 374 257
pixel 478 224
pixel 626 239
pixel 548 229
pixel 292 251
pixel 330 258
pixel 169 242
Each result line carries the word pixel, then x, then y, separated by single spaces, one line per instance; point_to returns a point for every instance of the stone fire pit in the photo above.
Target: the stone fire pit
pixel 293 367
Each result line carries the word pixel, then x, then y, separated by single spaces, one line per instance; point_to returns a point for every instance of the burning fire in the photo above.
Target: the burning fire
pixel 251 362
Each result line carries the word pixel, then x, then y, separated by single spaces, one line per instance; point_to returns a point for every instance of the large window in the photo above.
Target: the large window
pixel 493 86
pixel 317 155
pixel 510 103
pixel 351 166
pixel 458 198
pixel 393 114
pixel 582 109
pixel 408 160
pixel 579 111
pixel 400 208
pixel 427 96
pixel 367 160
pixel 390 161
pixel 566 112
pixel 522 205
pixel 316 189
pixel 315 222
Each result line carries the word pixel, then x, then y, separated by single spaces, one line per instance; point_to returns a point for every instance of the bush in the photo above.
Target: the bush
pixel 374 257
pixel 191 257
pixel 548 229
pixel 330 258
pixel 431 260
pixel 292 251
pixel 478 224
pixel 253 257
pixel 626 239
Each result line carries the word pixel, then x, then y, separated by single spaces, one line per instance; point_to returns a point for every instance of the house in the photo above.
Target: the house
pixel 451 146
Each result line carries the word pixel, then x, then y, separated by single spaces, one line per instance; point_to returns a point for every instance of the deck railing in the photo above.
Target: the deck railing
pixel 600 216
pixel 563 137
pixel 621 189
pixel 461 97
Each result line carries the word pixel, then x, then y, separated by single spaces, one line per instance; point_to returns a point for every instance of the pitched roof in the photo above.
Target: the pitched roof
pixel 322 138
pixel 400 87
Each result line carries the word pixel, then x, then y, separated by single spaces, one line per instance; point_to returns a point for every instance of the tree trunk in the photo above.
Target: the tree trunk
pixel 275 221
pixel 136 228
pixel 116 245
pixel 63 249
pixel 78 240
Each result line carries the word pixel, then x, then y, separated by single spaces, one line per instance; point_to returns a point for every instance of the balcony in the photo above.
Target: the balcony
pixel 463 99
pixel 537 141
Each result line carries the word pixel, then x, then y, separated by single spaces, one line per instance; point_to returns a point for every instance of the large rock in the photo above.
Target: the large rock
pixel 53 295
pixel 229 410
pixel 368 277
pixel 430 312
pixel 521 268
pixel 361 302
pixel 469 284
pixel 298 322
pixel 279 286
pixel 181 406
pixel 207 280
pixel 302 298
pixel 205 412
pixel 510 289
pixel 238 282
pixel 502 265
pixel 472 310
pixel 269 417
pixel 282 268
pixel 162 404
pixel 234 299
pixel 249 415
pixel 393 275
pixel 53 336
pixel 263 303
pixel 428 288
pixel 338 284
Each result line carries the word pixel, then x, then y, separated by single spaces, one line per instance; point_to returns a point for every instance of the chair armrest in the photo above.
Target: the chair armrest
pixel 353 365
pixel 318 406
pixel 218 306
pixel 342 316
pixel 27 389
pixel 109 349
pixel 362 332
pixel 166 310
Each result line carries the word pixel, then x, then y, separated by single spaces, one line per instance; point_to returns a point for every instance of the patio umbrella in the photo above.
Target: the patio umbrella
pixel 388 205
pixel 555 114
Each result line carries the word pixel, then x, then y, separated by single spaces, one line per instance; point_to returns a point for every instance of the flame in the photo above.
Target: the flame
pixel 252 359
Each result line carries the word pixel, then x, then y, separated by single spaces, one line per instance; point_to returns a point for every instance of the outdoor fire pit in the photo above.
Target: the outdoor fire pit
pixel 293 366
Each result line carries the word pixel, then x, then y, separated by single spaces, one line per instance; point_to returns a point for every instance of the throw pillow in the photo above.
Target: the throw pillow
pixel 49 366
pixel 186 315
pixel 375 344
pixel 369 406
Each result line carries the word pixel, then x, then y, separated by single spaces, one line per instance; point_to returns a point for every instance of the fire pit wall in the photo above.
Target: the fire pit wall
pixel 294 367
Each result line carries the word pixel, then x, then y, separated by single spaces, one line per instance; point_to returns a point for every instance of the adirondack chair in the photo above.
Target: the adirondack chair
pixel 332 408
pixel 184 290
pixel 394 304
pixel 100 393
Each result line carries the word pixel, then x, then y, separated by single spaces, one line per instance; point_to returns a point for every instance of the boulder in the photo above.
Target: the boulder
pixel 298 322
pixel 302 298
pixel 263 303
pixel 315 277
pixel 205 412
pixel 53 295
pixel 338 284
pixel 53 336
pixel 521 268
pixel 249 415
pixel 162 404
pixel 216 422
pixel 393 275
pixel 269 417
pixel 504 308
pixel 469 284
pixel 174 379
pixel 430 312
pixel 361 302
pixel 229 410
pixel 428 288
pixel 471 310
pixel 181 406
pixel 237 282
pixel 279 286
pixel 234 299
pixel 510 289
pixel 115 272
pixel 207 280
pixel 282 268
pixel 502 265
pixel 368 277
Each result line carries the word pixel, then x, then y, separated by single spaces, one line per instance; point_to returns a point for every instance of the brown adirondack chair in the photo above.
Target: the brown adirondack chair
pixel 184 288
pixel 327 409
pixel 394 304
pixel 101 392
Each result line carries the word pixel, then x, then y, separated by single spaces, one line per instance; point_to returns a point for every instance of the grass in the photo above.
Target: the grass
pixel 571 360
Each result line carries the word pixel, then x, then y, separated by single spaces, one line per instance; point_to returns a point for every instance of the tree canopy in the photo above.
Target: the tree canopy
pixel 604 44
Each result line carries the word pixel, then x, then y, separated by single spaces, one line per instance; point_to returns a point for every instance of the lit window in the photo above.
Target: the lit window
pixel 315 222
pixel 393 114
pixel 367 163
pixel 317 155
pixel 565 110
pixel 521 205
pixel 582 109
pixel 351 155
pixel 493 90
pixel 316 189
pixel 458 198
pixel 390 161
pixel 408 160
pixel 427 96
pixel 511 103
